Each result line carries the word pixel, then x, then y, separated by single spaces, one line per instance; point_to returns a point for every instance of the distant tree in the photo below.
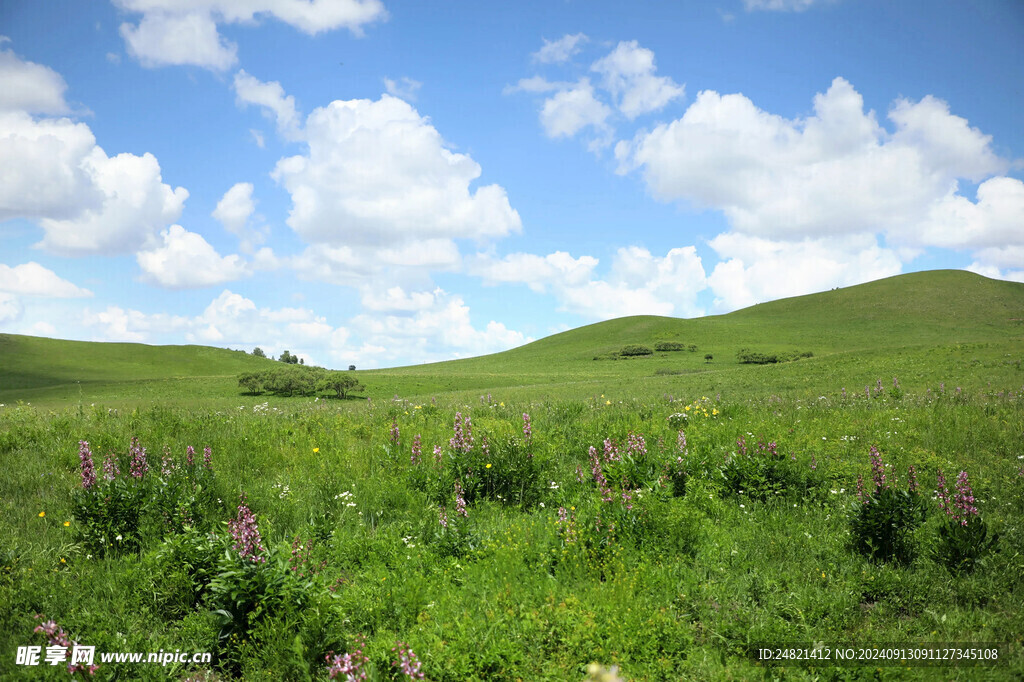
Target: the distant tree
pixel 258 352
pixel 708 357
pixel 252 382
pixel 340 383
pixel 351 368
pixel 288 358
pixel 302 361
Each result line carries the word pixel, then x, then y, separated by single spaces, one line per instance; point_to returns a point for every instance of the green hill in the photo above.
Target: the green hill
pixel 945 325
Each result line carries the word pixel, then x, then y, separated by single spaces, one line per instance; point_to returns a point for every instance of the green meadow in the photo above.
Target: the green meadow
pixel 560 511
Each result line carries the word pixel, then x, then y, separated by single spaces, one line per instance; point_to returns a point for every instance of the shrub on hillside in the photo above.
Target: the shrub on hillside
pixel 300 380
pixel 668 346
pixel 633 350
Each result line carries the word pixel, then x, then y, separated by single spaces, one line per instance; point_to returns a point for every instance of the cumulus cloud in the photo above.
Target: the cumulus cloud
pixel 561 50
pixel 837 172
pixel 185 260
pixel 571 110
pixel 10 308
pixel 379 184
pixel 422 329
pixel 174 33
pixel 32 279
pixel 404 88
pixel 754 269
pixel 30 87
pixel 627 72
pixel 271 97
pixel 234 211
pixel 637 283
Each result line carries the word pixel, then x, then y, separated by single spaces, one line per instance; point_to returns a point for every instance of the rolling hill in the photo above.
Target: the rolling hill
pixel 919 324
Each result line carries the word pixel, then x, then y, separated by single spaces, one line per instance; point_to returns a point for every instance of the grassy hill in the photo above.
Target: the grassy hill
pixel 945 325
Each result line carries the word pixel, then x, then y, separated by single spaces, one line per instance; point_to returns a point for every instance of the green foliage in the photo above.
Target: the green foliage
pixel 300 380
pixel 961 546
pixel 109 516
pixel 882 526
pixel 288 358
pixel 668 346
pixel 635 349
pixel 746 356
pixel 258 352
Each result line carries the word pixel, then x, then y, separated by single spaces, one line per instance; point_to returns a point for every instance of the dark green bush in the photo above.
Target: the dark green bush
pixel 633 350
pixel 882 525
pixel 668 346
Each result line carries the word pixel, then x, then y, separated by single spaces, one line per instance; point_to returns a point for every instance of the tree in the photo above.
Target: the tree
pixel 258 352
pixel 252 382
pixel 351 368
pixel 341 383
pixel 288 358
pixel 708 357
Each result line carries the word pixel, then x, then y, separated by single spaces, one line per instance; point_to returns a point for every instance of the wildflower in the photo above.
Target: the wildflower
pixel 244 530
pixel 88 471
pixel 139 465
pixel 942 493
pixel 878 469
pixel 913 486
pixel 681 442
pixel 488 466
pixel 351 665
pixel 190 456
pixel 462 435
pixel 208 457
pixel 407 662
pixel 860 490
pixel 460 502
pixel 417 449
pixel 527 429
pixel 316 450
pixel 67 523
pixel 741 446
pixel 442 516
pixel 635 445
pixel 437 454
pixel 611 452
pixel 394 432
pixel 42 514
pixel 110 468
pixel 963 502
pixel 814 463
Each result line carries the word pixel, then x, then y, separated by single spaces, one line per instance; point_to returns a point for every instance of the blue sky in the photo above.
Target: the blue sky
pixel 379 183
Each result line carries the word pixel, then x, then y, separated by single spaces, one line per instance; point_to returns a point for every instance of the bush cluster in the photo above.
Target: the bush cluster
pixel 300 380
pixel 669 346
pixel 749 357
pixel 635 349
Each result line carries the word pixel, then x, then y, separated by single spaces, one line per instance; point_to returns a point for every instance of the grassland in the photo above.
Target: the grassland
pixel 685 559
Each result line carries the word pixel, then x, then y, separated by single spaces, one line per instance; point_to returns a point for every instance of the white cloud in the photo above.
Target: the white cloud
pixel 191 38
pixel 837 172
pixel 405 88
pixel 30 87
pixel 270 96
pixel 753 269
pixel 171 32
pixel 10 308
pixel 185 260
pixel 536 84
pixel 638 283
pixel 627 72
pixel 993 223
pixel 778 5
pixel 376 175
pixel 570 111
pixel 257 137
pixel 438 330
pixel 395 299
pixel 234 211
pixel 32 279
pixel 561 50
pixel 995 273
pixel 44 329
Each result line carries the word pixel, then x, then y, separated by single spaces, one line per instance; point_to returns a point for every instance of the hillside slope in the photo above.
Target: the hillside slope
pixel 916 323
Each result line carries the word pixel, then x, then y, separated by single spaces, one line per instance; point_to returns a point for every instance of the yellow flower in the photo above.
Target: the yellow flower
pixel 501 404
pixel 488 466
pixel 63 560
pixel 607 402
pixel 42 514
pixel 67 523
pixel 714 411
pixel 316 449
pixel 823 574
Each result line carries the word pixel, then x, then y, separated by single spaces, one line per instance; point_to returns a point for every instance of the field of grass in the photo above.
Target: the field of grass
pixel 669 556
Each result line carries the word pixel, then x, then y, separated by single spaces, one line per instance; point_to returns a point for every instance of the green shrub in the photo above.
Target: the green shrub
pixel 669 346
pixel 960 546
pixel 882 526
pixel 633 350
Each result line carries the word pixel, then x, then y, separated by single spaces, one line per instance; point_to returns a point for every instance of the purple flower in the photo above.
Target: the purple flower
pixel 963 502
pixel 611 452
pixel 861 497
pixel 417 449
pixel 741 446
pixel 460 502
pixel 527 429
pixel 462 434
pixel 88 470
pixel 208 457
pixel 351 665
pixel 942 493
pixel 442 516
pixel 190 456
pixel 878 470
pixel 139 464
pixel 681 442
pixel 407 662
pixel 394 433
pixel 110 468
pixel 437 454
pixel 913 485
pixel 246 534
pixel 636 445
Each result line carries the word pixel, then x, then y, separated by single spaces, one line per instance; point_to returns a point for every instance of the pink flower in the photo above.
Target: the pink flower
pixel 246 533
pixel 139 464
pixel 417 449
pixel 88 470
pixel 407 662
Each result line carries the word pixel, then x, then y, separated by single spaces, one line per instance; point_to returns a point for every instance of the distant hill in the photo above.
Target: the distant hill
pixel 909 313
